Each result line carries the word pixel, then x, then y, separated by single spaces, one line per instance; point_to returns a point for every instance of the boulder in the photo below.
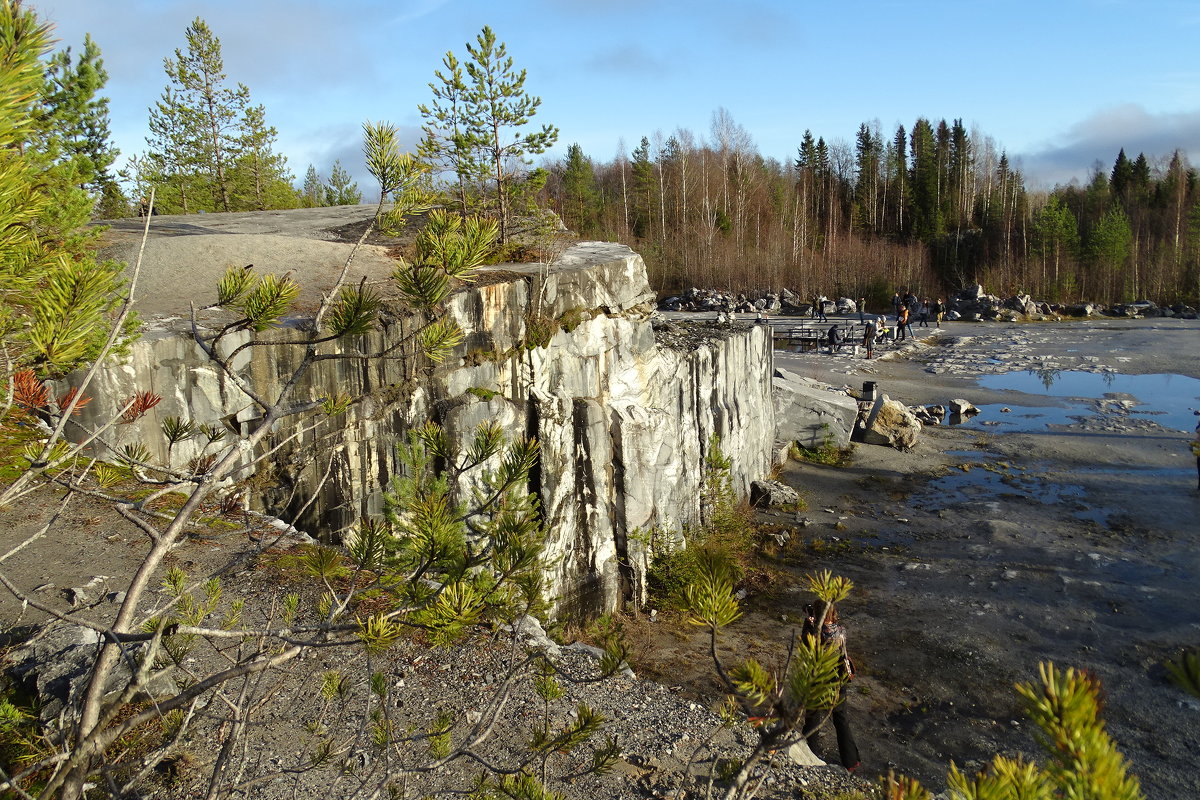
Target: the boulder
pixel 963 407
pixel 55 665
pixel 961 411
pixel 811 413
pixel 889 423
pixel 772 494
pixel 801 754
pixel 846 306
pixel 929 415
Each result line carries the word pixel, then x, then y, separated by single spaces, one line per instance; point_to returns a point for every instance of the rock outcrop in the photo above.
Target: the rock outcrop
pixel 567 355
pixel 811 413
pixel 890 423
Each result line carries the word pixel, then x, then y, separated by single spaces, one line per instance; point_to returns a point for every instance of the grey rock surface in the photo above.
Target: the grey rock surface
pixel 624 422
pixel 811 413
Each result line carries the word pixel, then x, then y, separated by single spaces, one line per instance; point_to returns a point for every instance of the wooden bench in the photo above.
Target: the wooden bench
pixel 813 337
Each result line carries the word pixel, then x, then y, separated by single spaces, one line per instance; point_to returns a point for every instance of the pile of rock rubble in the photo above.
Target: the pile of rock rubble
pixel 972 304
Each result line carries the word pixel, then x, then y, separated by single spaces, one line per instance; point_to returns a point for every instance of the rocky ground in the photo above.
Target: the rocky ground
pixel 1002 543
pixel 986 549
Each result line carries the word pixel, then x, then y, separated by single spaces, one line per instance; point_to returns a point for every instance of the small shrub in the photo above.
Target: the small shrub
pixel 826 454
pixel 481 393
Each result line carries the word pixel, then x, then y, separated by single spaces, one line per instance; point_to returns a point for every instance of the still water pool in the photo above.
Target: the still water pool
pixel 1165 398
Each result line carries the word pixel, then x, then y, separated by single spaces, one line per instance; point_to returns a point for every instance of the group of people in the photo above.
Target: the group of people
pixel 907 306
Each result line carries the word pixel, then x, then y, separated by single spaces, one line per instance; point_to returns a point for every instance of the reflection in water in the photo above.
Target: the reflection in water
pixel 1048 376
pixel 1168 398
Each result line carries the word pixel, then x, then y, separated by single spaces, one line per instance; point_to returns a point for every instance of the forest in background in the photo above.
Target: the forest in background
pixel 936 208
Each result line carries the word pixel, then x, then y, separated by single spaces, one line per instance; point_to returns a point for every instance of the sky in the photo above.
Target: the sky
pixel 1059 85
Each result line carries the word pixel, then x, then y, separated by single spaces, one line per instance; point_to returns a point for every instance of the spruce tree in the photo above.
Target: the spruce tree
pixel 312 194
pixel 926 213
pixel 645 184
pixel 75 122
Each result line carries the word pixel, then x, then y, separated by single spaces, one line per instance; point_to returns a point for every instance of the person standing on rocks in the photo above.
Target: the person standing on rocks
pixel 869 338
pixel 902 322
pixel 832 634
pixel 862 310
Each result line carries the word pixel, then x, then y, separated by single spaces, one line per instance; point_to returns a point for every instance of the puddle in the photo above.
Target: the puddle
pixel 1026 419
pixel 979 483
pixel 1167 399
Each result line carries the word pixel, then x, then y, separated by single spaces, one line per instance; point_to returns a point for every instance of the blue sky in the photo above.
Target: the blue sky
pixel 1057 84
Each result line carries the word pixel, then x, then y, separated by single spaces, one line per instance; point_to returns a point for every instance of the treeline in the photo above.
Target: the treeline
pixel 935 207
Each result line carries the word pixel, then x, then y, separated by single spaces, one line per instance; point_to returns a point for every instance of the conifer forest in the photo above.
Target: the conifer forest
pixel 934 207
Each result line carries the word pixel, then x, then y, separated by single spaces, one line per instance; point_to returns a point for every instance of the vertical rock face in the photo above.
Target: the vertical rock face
pixel 567 355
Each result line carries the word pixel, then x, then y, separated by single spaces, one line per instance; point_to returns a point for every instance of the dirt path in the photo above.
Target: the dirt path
pixel 1007 542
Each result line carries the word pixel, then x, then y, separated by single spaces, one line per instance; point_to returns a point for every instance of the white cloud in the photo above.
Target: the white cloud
pixel 1102 135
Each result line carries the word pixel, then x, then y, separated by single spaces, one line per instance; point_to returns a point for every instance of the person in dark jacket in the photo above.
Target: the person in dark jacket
pixel 832 633
pixel 869 333
pixel 833 338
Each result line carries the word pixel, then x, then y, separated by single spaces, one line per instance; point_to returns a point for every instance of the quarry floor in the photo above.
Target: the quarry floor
pixel 988 548
pixel 997 545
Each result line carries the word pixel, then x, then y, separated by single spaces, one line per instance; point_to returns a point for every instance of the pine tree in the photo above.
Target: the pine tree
pixel 1109 248
pixel 262 177
pixel 498 107
pixel 171 165
pixel 341 190
pixel 448 143
pixel 199 126
pixel 1057 241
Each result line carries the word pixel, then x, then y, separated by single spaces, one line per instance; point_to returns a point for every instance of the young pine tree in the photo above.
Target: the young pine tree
pixel 341 190
pixel 498 108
